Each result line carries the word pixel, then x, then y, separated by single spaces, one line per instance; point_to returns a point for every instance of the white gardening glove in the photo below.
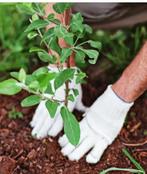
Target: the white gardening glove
pixel 100 126
pixel 43 124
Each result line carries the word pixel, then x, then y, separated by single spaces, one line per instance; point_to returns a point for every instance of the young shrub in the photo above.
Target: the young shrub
pixel 38 84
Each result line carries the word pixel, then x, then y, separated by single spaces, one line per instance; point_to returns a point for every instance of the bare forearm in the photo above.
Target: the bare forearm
pixel 133 81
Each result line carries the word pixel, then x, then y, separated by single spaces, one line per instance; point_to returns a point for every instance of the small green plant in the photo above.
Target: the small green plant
pixel 39 82
pixel 13 41
pixel 139 169
pixel 14 114
pixel 121 46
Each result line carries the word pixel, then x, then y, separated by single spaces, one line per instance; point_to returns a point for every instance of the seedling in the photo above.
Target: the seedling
pixel 139 169
pixel 14 114
pixel 38 84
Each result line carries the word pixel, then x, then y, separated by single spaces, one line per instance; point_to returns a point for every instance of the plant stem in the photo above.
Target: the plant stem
pixel 40 34
pixel 42 96
pixel 83 43
pixel 68 62
pixel 66 93
pixel 76 41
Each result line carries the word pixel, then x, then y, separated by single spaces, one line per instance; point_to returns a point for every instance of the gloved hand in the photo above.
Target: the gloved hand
pixel 100 126
pixel 43 124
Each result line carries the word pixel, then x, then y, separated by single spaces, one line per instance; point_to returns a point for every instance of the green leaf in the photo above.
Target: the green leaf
pixel 61 7
pixel 49 89
pixel 39 8
pixel 30 101
pixel 46 57
pixel 51 18
pixel 52 107
pixel 32 35
pixel 61 32
pixel 71 98
pixel 29 79
pixel 80 76
pixel 9 87
pixel 95 44
pixel 77 23
pixel 48 34
pixel 34 85
pixel 53 43
pixel 69 38
pixel 88 29
pixel 44 80
pixel 66 52
pixel 76 92
pixel 35 17
pixel 14 114
pixel 26 8
pixel 80 56
pixel 22 75
pixel 37 24
pixel 14 74
pixel 36 49
pixel 40 71
pixel 71 126
pixel 94 60
pixel 63 76
pixel 92 54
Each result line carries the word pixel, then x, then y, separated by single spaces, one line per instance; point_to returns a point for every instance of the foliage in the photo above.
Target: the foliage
pixel 14 114
pixel 13 42
pixel 136 164
pixel 139 169
pixel 42 84
pixel 121 46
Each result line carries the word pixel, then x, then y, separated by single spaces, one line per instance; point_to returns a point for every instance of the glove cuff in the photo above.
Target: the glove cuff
pixel 106 116
pixel 115 100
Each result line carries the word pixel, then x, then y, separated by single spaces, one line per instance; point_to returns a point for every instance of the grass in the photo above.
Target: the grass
pixel 139 169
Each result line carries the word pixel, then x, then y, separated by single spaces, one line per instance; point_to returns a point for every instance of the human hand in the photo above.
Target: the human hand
pixel 43 124
pixel 100 126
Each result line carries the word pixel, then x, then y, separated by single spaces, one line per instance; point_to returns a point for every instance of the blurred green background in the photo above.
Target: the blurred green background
pixel 14 45
pixel 118 47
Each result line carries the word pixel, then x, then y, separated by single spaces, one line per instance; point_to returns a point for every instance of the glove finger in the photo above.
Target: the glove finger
pixel 67 149
pixel 40 122
pixel 37 114
pixel 56 126
pixel 79 105
pixel 81 149
pixel 95 154
pixel 44 128
pixel 63 141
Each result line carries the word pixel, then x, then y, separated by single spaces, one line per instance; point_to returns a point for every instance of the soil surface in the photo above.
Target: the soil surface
pixel 22 154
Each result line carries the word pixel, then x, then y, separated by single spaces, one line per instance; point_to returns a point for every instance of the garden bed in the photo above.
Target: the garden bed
pixel 21 154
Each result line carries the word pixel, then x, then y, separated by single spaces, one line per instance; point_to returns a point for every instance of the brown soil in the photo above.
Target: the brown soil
pixel 21 154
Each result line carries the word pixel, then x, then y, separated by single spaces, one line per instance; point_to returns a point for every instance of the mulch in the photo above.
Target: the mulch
pixel 20 153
